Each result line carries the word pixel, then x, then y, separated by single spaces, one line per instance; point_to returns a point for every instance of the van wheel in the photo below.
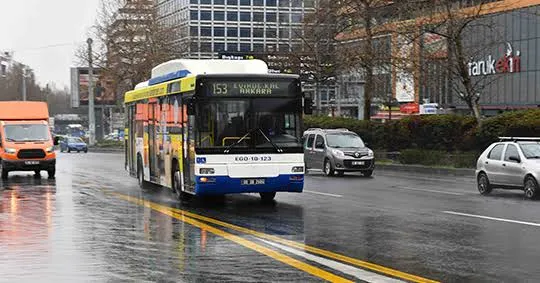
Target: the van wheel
pixel 51 173
pixel 267 197
pixel 328 169
pixel 177 184
pixel 3 172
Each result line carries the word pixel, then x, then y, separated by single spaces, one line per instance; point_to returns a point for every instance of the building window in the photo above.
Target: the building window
pixel 232 2
pixel 206 15
pixel 219 16
pixel 219 2
pixel 271 17
pixel 232 32
pixel 206 47
pixel 193 15
pixel 258 2
pixel 245 16
pixel 258 17
pixel 232 47
pixel 207 2
pixel 296 18
pixel 206 31
pixel 258 32
pixel 296 3
pixel 219 31
pixel 219 46
pixel 284 33
pixel 259 47
pixel 271 3
pixel 245 32
pixel 309 3
pixel 194 1
pixel 283 17
pixel 245 47
pixel 284 3
pixel 245 2
pixel 271 32
pixel 232 16
pixel 194 47
pixel 194 31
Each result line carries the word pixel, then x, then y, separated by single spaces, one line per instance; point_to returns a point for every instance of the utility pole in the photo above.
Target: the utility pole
pixel 24 83
pixel 91 115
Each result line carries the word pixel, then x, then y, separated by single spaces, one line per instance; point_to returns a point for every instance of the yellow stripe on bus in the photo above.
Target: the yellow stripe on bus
pixel 315 271
pixel 332 255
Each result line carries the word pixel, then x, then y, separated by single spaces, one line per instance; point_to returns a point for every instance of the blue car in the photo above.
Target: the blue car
pixel 70 144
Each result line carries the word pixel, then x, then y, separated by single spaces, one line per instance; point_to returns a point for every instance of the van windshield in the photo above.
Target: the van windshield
pixel 22 133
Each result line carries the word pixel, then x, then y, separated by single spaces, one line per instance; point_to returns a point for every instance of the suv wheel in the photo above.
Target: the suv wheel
pixel 531 187
pixel 328 169
pixel 484 187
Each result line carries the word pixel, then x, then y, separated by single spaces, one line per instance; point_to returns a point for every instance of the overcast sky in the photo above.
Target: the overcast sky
pixel 27 27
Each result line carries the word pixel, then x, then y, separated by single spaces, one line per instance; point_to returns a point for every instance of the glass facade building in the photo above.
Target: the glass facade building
pixel 206 28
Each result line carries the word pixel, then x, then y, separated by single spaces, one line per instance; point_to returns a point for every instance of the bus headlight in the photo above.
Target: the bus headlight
pixel 49 149
pixel 207 171
pixel 298 169
pixel 10 150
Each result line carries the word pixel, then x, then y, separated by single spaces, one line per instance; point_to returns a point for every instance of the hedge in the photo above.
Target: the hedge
pixel 436 132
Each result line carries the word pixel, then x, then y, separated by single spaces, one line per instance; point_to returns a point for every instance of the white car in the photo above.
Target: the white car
pixel 511 163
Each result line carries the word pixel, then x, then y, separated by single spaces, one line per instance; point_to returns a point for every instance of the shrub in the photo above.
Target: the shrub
pixel 422 157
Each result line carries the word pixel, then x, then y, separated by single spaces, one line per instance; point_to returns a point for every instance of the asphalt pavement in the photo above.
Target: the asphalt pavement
pixel 93 223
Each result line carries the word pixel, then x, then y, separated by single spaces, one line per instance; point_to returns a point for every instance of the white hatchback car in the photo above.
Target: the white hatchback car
pixel 511 163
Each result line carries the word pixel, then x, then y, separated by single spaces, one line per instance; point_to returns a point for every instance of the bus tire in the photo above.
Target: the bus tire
pixel 267 197
pixel 140 173
pixel 4 172
pixel 177 183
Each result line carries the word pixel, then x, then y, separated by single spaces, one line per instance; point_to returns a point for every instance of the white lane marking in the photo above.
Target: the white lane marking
pixel 430 191
pixel 324 194
pixel 493 218
pixel 346 269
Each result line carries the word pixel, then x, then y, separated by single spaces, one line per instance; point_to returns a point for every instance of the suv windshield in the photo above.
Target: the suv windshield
pixel 344 140
pixel 28 132
pixel 530 150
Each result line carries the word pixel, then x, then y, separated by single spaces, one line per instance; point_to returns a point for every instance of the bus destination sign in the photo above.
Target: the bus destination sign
pixel 251 88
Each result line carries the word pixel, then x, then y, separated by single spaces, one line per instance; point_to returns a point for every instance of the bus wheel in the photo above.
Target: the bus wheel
pixel 267 196
pixel 4 172
pixel 177 185
pixel 140 173
pixel 51 173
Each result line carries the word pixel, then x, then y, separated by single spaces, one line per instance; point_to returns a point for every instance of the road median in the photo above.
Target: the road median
pixel 462 172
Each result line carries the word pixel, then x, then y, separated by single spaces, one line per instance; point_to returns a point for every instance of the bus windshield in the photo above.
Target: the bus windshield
pixel 248 123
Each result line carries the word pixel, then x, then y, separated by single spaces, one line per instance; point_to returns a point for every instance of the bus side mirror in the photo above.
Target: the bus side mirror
pixel 308 106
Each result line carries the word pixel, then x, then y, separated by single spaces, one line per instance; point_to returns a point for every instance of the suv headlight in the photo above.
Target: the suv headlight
pixel 49 149
pixel 10 150
pixel 370 153
pixel 337 152
pixel 207 171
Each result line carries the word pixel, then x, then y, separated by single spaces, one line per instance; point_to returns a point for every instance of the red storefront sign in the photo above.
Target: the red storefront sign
pixel 409 108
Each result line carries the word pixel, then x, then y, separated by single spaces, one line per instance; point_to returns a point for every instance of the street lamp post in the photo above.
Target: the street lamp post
pixel 91 115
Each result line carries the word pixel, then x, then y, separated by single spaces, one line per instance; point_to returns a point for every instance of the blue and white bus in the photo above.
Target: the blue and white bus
pixel 214 127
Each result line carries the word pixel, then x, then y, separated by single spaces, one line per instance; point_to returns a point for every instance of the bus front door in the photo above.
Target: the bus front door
pixel 189 153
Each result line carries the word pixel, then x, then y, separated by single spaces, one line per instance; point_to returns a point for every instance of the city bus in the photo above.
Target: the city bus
pixel 216 127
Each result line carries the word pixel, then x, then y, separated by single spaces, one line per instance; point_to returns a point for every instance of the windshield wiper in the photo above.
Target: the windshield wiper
pixel 228 149
pixel 278 149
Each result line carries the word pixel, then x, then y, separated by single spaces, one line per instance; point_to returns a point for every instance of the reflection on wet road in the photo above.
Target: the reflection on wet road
pixel 93 223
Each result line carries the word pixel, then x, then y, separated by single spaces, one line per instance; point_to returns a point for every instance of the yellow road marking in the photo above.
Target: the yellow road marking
pixel 241 241
pixel 364 264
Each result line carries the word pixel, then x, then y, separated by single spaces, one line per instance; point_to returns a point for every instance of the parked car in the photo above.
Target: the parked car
pixel 336 151
pixel 511 163
pixel 73 144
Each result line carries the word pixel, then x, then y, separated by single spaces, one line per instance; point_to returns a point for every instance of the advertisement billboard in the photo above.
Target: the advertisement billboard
pixel 104 93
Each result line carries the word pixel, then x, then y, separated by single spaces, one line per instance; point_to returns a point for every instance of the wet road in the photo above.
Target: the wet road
pixel 93 223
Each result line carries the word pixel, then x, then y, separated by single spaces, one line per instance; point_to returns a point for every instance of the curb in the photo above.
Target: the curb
pixel 105 150
pixel 461 172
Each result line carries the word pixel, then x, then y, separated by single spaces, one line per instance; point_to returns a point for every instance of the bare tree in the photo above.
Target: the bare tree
pixel 454 23
pixel 130 40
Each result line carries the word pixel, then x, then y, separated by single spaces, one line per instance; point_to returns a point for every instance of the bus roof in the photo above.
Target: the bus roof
pixel 202 67
pixel 188 84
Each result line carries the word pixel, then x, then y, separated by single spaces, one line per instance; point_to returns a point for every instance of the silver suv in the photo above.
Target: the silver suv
pixel 511 163
pixel 337 151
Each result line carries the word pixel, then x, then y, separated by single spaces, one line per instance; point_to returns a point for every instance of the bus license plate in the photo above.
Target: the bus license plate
pixel 31 162
pixel 358 163
pixel 253 182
